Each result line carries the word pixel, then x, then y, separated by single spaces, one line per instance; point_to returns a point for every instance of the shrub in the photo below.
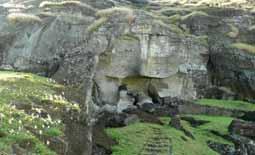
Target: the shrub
pixel 53 132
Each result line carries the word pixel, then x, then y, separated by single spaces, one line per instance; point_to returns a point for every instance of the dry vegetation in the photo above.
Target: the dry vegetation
pixel 98 23
pixel 65 3
pixel 111 11
pixel 243 46
pixel 23 18
pixel 48 4
pixel 105 14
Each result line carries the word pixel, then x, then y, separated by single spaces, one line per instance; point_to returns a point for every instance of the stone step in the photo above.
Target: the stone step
pixel 149 153
pixel 159 138
pixel 157 145
pixel 153 149
pixel 156 153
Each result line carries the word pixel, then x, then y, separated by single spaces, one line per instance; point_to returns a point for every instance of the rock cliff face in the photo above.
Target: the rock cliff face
pixel 178 53
pixel 156 49
pixel 59 39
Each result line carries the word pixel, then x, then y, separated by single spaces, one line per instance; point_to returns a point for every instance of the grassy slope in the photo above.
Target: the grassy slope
pixel 228 104
pixel 22 97
pixel 135 135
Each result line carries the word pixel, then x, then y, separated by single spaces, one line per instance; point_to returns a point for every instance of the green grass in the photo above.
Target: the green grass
pixel 53 132
pixel 22 97
pixel 131 138
pixel 228 104
pixel 17 127
pixel 28 88
pixel 243 46
pixel 216 123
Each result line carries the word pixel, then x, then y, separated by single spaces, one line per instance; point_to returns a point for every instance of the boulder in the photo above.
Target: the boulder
pixel 142 99
pixel 125 101
pixel 193 108
pixel 223 149
pixel 243 128
pixel 194 122
pixel 243 145
pixel 248 116
pixel 219 93
pixel 148 107
pixel 176 122
pixel 131 119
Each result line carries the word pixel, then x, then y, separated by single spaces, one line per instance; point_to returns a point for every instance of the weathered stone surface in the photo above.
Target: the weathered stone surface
pixel 146 47
pixel 194 122
pixel 156 57
pixel 223 149
pixel 243 128
pixel 243 134
pixel 232 67
pixel 243 145
pixel 125 101
pixel 176 122
pixel 191 108
pixel 249 116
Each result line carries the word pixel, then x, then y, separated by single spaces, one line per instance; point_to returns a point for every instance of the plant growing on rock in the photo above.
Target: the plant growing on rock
pixel 245 47
pixel 23 18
